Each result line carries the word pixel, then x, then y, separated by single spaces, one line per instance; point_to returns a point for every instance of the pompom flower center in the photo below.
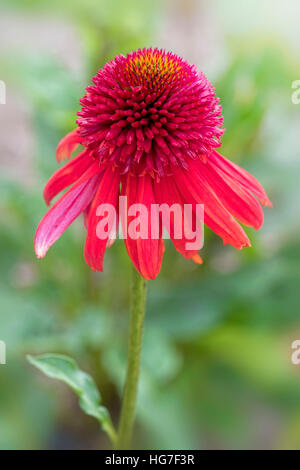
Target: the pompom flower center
pixel 149 111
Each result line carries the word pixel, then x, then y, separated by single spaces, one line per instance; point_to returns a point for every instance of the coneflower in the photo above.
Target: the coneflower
pixel 149 127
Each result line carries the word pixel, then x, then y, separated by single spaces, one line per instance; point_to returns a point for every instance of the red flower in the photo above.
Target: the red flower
pixel 149 126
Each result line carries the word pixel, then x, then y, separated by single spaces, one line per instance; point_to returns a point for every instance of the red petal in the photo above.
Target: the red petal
pixel 107 193
pixel 167 193
pixel 114 233
pixel 67 175
pixel 145 253
pixel 86 214
pixel 65 211
pixel 195 191
pixel 242 176
pixel 235 197
pixel 67 145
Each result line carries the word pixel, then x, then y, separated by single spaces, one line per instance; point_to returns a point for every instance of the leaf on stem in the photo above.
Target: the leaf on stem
pixel 65 369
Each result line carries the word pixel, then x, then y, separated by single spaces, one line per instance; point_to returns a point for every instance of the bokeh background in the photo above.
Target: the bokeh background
pixel 217 370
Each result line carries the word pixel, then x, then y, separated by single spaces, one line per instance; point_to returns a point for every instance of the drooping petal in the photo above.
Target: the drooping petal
pixel 167 193
pixel 65 211
pixel 235 172
pixel 145 250
pixel 195 191
pixel 67 145
pixel 235 197
pixel 107 194
pixel 67 175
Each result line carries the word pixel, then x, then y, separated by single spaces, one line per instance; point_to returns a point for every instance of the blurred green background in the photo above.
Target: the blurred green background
pixel 217 370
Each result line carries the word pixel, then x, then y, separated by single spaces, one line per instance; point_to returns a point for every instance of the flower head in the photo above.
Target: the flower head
pixel 150 125
pixel 148 112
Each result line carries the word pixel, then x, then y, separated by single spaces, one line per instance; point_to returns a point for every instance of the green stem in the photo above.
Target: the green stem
pixel 137 317
pixel 108 427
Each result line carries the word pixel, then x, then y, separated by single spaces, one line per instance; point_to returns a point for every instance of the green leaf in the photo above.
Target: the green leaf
pixel 65 369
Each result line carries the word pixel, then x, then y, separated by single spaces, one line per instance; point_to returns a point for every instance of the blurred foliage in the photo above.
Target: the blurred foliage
pixel 216 360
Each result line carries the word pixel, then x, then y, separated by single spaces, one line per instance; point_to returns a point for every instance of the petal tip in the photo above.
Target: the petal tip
pixel 246 244
pixel 67 145
pixel 268 203
pixel 40 251
pixel 47 199
pixel 96 269
pixel 197 259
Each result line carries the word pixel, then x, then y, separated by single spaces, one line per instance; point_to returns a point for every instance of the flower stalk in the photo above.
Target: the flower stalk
pixel 137 317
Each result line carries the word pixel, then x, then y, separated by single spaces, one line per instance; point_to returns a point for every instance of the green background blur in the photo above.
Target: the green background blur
pixel 217 369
